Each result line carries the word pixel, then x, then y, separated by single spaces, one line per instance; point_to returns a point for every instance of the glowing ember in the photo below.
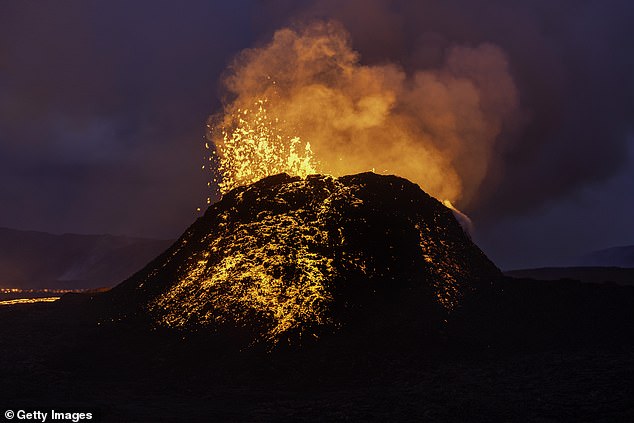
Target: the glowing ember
pixel 252 146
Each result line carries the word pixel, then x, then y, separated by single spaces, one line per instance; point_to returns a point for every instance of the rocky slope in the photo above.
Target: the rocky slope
pixel 290 259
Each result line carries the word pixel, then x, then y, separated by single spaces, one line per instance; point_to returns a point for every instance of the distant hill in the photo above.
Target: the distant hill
pixel 35 260
pixel 621 276
pixel 613 257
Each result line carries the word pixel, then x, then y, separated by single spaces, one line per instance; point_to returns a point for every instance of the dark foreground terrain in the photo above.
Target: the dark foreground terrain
pixel 534 351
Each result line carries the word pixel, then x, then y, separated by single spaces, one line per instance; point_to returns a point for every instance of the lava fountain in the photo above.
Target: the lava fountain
pixel 304 103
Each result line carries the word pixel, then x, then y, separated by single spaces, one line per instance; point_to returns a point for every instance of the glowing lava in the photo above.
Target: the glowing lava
pixel 29 300
pixel 251 146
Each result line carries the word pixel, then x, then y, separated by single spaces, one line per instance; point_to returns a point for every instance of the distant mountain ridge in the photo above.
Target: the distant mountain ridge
pixel 587 274
pixel 611 257
pixel 614 265
pixel 35 260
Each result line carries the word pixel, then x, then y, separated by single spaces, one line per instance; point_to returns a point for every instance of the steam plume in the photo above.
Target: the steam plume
pixel 437 127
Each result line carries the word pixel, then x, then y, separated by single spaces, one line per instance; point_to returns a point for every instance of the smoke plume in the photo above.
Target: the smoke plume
pixel 438 127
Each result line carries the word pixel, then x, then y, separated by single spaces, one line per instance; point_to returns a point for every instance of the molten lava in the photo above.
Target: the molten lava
pixel 252 146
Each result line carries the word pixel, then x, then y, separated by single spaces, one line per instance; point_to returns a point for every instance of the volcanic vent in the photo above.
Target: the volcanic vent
pixel 287 258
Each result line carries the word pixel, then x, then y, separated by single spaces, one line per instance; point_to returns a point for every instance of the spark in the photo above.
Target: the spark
pixel 251 145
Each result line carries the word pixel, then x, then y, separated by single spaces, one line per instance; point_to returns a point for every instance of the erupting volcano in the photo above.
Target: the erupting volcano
pixel 290 258
pixel 294 248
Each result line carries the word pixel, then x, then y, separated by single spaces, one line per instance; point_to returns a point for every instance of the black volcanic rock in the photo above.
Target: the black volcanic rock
pixel 290 259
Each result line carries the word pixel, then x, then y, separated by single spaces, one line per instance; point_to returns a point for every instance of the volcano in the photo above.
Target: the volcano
pixel 289 259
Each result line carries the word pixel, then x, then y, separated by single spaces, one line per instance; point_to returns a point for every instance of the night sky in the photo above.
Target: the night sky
pixel 103 106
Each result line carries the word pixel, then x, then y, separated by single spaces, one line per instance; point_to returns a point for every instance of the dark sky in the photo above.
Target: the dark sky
pixel 103 107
